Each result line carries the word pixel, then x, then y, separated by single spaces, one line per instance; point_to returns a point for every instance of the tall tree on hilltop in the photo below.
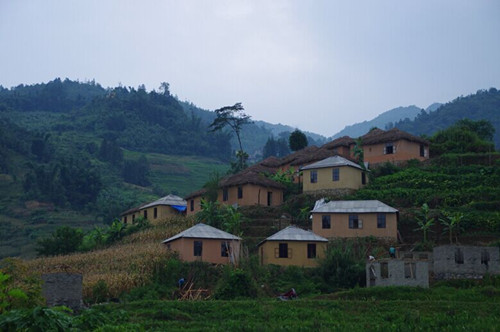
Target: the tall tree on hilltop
pixel 297 140
pixel 233 117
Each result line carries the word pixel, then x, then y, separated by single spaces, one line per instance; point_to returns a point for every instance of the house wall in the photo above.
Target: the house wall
pixel 268 253
pixel 396 273
pixel 349 177
pixel 447 267
pixel 340 226
pixel 252 195
pixel 129 217
pixel 343 151
pixel 211 252
pixel 196 205
pixel 405 150
pixel 163 212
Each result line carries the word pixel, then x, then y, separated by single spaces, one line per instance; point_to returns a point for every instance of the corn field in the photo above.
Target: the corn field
pixel 123 266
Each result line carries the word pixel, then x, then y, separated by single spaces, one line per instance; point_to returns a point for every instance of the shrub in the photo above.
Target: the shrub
pixel 235 283
pixel 341 268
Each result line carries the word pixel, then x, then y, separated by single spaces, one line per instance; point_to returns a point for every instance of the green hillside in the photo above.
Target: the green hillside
pixel 483 105
pixel 76 154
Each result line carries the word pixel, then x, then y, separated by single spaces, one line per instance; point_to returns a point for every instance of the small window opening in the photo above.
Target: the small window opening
pixel 410 270
pixel 384 270
pixel 485 257
pixel 459 256
pixel 326 222
pixel 311 250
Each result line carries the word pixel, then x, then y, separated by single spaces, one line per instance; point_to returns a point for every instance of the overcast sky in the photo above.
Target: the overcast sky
pixel 316 65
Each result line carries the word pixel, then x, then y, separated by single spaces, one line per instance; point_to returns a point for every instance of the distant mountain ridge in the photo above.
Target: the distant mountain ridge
pixel 386 119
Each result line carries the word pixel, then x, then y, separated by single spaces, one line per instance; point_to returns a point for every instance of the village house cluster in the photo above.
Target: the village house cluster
pixel 332 166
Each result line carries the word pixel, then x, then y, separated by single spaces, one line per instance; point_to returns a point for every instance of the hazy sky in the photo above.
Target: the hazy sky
pixel 317 65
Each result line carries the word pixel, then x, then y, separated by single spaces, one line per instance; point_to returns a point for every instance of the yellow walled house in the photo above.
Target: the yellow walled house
pixel 333 173
pixel 395 146
pixel 347 219
pixel 194 201
pixel 293 246
pixel 205 243
pixel 168 206
pixel 250 187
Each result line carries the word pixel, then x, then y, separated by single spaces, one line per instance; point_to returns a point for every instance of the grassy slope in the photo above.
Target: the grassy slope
pixel 22 222
pixel 314 315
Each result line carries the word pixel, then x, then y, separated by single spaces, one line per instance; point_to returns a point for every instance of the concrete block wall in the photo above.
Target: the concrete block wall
pixel 63 289
pixel 453 262
pixel 398 273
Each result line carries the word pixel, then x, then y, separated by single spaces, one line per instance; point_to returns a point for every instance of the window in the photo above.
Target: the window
pixel 198 248
pixel 225 194
pixel 314 176
pixel 145 214
pixel 459 256
pixel 283 253
pixel 354 221
pixel 485 257
pixel 125 219
pixel 192 205
pixel 422 150
pixel 155 213
pixel 335 174
pixel 311 250
pixel 410 270
pixel 389 148
pixel 269 198
pixel 224 249
pixel 384 270
pixel 381 220
pixel 363 178
pixel 240 192
pixel 326 222
pixel 133 217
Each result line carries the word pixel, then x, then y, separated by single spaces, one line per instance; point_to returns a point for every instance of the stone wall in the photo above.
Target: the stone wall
pixel 63 289
pixel 397 272
pixel 454 262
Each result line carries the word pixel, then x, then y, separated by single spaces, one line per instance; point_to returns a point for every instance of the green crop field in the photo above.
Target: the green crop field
pixel 309 315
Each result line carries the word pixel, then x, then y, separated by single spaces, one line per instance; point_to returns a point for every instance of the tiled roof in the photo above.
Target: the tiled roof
pixel 376 136
pixel 293 233
pixel 372 206
pixel 132 210
pixel 341 141
pixel 196 193
pixel 311 157
pixel 167 200
pixel 202 231
pixel 335 161
pixel 250 176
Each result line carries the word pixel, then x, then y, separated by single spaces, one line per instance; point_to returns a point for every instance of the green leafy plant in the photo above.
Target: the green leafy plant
pixel 451 223
pixel 9 296
pixel 424 221
pixel 235 283
pixel 36 319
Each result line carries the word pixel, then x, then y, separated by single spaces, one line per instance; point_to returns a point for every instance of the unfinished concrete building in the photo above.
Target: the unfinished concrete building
pixel 397 272
pixel 459 262
pixel 63 289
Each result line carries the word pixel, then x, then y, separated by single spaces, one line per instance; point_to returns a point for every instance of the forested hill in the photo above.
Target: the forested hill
pixel 483 105
pixel 384 120
pixel 133 118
